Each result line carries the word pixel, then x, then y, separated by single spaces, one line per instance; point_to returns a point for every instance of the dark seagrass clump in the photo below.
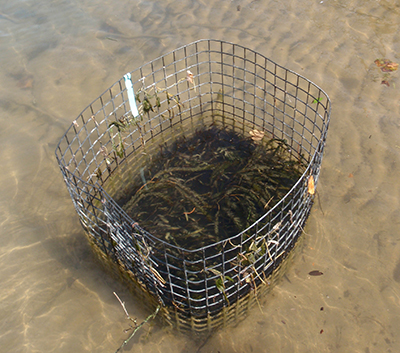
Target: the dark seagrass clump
pixel 211 186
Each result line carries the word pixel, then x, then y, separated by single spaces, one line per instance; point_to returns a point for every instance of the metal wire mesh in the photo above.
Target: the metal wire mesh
pixel 98 161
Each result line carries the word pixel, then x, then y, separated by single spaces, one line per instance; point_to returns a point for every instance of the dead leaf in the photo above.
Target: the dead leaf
pixel 385 82
pixel 380 62
pixel 256 135
pixel 390 67
pixel 386 65
pixel 311 185
pixel 315 273
pixel 25 82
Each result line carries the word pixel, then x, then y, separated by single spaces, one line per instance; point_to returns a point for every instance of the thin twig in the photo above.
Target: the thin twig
pixel 255 294
pixel 152 316
pixel 187 213
pixel 123 306
pixel 319 203
pixel 266 205
pixel 304 231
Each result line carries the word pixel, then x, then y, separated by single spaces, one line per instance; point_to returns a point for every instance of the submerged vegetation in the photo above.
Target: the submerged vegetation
pixel 211 186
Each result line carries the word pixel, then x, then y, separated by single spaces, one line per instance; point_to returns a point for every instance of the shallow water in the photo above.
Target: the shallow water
pixel 57 56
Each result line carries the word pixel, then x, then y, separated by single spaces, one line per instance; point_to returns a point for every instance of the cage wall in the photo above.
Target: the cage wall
pixel 204 83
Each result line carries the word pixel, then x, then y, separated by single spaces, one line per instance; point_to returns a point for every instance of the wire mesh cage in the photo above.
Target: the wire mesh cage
pixel 206 83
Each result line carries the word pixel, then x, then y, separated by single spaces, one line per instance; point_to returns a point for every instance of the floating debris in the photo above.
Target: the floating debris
pixel 189 76
pixel 256 135
pixel 386 65
pixel 311 185
pixel 315 273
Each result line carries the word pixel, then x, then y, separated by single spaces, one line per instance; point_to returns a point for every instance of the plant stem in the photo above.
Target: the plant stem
pixel 152 316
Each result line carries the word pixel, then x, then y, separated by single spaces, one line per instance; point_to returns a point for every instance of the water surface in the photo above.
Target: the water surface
pixel 57 56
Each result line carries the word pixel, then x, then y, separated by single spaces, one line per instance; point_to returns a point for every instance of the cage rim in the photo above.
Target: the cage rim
pixel 327 106
pixel 101 190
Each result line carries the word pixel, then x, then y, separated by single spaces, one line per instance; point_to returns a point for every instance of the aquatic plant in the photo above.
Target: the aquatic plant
pixel 211 186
